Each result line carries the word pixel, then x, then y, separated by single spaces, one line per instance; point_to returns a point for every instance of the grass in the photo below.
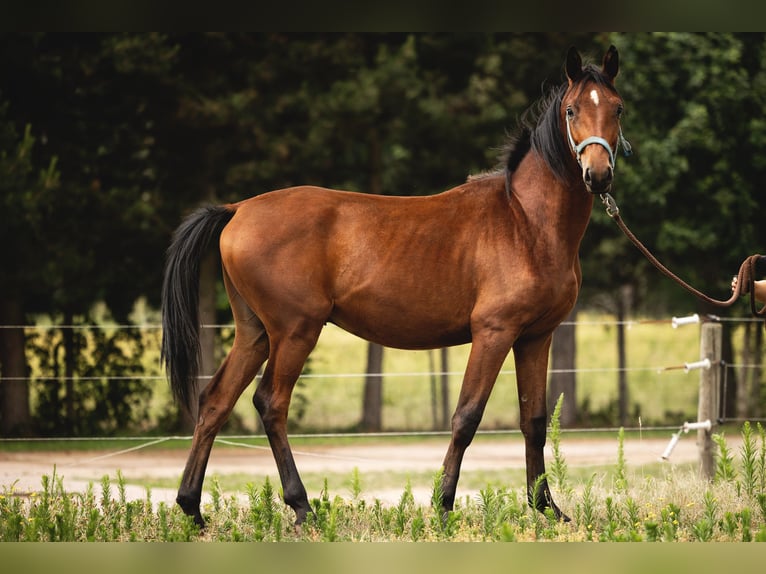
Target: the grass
pixel 614 503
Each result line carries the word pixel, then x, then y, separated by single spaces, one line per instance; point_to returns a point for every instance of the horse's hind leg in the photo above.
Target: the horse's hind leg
pixel 250 350
pixel 272 400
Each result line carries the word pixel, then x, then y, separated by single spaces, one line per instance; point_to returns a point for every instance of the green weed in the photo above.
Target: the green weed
pixel 621 479
pixel 748 453
pixel 558 471
pixel 724 471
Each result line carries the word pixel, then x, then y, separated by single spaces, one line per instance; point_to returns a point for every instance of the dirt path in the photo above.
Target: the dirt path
pixel 23 471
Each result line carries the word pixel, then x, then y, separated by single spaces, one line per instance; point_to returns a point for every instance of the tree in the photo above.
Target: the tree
pixel 21 187
pixel 85 98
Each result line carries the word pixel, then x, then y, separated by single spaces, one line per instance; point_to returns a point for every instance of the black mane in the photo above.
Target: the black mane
pixel 539 129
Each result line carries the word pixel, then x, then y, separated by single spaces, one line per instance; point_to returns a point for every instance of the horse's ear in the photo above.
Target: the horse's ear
pixel 573 65
pixel 611 65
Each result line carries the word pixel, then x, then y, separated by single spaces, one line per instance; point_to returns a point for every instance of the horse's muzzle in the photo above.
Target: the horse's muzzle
pixel 598 181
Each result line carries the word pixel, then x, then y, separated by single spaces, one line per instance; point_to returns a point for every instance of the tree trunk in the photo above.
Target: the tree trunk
pixel 622 361
pixel 445 389
pixel 70 362
pixel 730 384
pixel 755 374
pixel 746 375
pixel 563 379
pixel 434 392
pixel 440 416
pixel 15 416
pixel 372 408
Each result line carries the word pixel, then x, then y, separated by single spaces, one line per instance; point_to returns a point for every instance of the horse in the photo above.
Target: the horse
pixel 492 262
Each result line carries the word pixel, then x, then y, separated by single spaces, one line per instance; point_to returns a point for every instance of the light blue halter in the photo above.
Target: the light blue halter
pixel 578 148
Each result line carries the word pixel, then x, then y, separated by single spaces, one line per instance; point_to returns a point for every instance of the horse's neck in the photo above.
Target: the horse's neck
pixel 561 208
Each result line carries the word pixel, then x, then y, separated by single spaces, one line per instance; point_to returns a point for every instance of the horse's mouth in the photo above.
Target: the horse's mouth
pixel 599 189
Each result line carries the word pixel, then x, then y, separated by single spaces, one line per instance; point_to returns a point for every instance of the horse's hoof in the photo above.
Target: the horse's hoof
pixel 191 508
pixel 560 516
pixel 200 522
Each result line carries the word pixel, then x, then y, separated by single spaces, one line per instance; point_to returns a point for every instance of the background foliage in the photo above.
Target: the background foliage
pixel 106 140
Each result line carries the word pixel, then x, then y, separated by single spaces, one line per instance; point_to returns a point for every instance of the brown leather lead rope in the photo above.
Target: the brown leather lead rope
pixel 745 277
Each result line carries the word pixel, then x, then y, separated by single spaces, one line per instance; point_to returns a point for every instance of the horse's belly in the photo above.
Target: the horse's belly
pixel 403 330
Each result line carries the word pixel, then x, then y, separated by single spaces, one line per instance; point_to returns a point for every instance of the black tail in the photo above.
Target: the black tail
pixel 180 297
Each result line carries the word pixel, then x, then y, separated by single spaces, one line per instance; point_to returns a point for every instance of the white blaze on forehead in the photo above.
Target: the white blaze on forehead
pixel 594 96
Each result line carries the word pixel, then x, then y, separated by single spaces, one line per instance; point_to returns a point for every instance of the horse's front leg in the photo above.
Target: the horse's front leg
pixel 489 349
pixel 531 378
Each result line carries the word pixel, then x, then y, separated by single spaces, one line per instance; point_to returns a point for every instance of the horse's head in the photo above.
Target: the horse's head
pixel 590 113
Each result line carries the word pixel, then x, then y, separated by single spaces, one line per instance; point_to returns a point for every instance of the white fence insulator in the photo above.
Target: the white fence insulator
pixel 703 364
pixel 671 445
pixel 691 319
pixel 707 425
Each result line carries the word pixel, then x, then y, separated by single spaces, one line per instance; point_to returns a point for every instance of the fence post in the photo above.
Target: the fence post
pixel 707 409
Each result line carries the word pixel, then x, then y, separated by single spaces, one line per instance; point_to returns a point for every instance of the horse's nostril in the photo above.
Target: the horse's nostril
pixel 598 180
pixel 599 177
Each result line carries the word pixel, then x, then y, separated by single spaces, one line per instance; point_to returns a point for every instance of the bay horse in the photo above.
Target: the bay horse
pixel 493 262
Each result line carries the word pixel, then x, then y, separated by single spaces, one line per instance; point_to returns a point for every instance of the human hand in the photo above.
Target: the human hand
pixel 734 282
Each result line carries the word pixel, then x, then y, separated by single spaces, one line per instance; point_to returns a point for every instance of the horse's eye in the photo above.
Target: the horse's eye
pixel 620 109
pixel 570 112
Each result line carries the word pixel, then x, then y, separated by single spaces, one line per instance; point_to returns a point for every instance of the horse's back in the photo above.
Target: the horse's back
pixel 347 221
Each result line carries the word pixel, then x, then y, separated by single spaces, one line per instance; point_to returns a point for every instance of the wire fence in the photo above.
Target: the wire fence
pixel 388 374
pixel 581 372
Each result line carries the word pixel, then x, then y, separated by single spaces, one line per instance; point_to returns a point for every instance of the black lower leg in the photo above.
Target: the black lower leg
pixel 538 491
pixel 464 424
